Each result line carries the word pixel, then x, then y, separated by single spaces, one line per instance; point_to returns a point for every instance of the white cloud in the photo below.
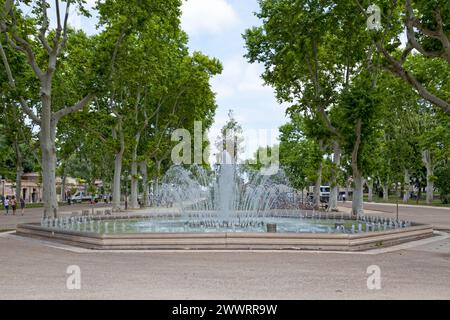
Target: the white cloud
pixel 251 79
pixel 239 76
pixel 207 16
pixel 77 21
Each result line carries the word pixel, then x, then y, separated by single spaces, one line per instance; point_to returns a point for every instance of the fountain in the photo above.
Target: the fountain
pixel 231 208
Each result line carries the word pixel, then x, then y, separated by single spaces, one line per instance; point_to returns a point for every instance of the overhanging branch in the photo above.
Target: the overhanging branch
pixel 78 106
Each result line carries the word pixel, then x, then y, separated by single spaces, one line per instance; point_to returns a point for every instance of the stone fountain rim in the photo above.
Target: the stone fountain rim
pixel 37 226
pixel 227 241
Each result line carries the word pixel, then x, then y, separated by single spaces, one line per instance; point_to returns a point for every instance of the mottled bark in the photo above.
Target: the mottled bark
pixel 334 173
pixel 48 148
pixel 19 169
pixel 134 203
pixel 385 188
pixel 118 134
pixel 406 187
pixel 357 199
pixel 358 195
pixel 317 187
pixel 145 185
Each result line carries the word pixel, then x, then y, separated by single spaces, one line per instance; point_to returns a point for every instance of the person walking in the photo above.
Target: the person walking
pixel 6 205
pixel 22 205
pixel 13 204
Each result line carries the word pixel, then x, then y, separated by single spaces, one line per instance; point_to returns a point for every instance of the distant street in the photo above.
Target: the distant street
pixel 437 216
pixel 9 222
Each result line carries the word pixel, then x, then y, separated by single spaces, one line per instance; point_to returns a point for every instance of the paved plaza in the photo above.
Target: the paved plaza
pixel 31 269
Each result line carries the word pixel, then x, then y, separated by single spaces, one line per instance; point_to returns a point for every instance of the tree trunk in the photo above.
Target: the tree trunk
pixel 426 158
pixel 357 199
pixel 317 187
pixel 116 201
pixel 156 182
pixel 48 149
pixel 370 187
pixel 358 193
pixel 134 204
pixel 155 191
pixel 334 173
pixel 19 170
pixel 347 190
pixel 19 173
pixel 385 191
pixel 406 187
pixel 144 173
pixel 63 188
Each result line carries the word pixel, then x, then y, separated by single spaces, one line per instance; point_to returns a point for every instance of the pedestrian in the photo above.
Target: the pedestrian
pixel 22 205
pixel 7 205
pixel 13 204
pixel 344 197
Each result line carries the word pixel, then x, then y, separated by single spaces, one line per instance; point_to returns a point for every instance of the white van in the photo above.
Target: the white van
pixel 80 196
pixel 325 192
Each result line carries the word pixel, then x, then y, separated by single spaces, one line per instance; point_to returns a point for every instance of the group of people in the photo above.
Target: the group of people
pixel 11 203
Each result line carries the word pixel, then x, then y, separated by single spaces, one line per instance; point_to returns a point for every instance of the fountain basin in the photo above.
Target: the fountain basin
pixel 228 240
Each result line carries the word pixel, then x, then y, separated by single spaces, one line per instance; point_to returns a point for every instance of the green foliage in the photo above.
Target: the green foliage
pixel 149 85
pixel 442 182
pixel 322 61
pixel 299 156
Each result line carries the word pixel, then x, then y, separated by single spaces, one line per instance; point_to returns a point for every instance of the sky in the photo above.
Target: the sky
pixel 215 27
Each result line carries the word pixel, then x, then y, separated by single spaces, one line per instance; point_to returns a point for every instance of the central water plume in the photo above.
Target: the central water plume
pixel 230 195
pixel 226 187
